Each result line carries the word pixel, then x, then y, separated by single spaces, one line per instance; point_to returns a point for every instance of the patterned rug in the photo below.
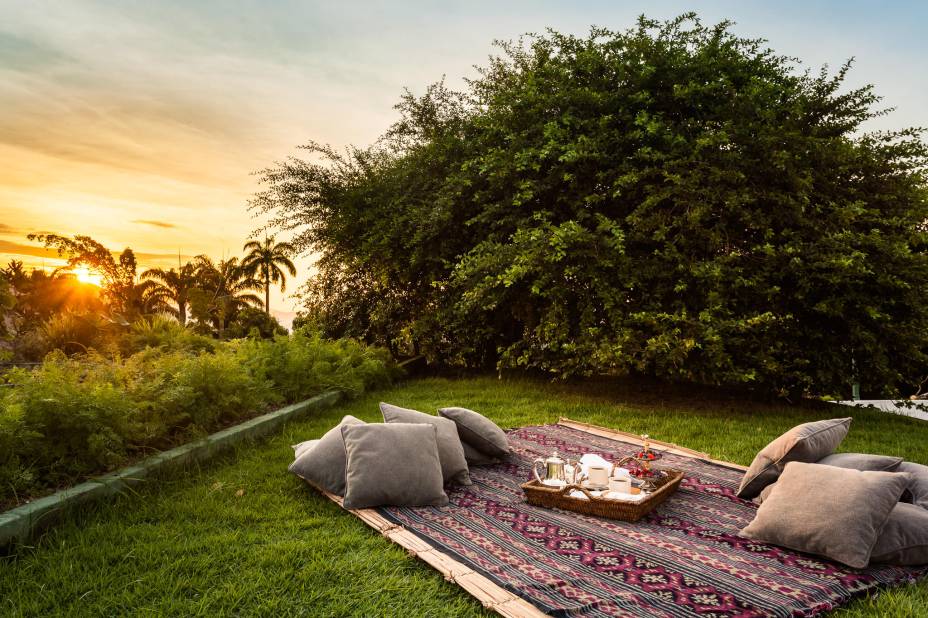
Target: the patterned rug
pixel 684 559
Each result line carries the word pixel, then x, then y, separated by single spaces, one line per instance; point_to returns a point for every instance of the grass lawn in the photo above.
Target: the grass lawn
pixel 243 537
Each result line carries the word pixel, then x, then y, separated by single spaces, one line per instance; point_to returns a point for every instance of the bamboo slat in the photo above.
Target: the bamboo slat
pixel 670 447
pixel 492 596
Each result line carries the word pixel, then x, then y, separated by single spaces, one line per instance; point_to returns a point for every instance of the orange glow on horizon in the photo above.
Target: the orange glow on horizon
pixel 85 275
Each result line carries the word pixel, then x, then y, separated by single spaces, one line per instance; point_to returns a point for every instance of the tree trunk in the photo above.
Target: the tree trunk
pixel 182 313
pixel 267 295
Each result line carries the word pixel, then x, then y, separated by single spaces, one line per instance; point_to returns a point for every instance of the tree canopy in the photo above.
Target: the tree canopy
pixel 671 199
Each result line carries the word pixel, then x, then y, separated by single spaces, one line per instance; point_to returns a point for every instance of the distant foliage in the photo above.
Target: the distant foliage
pixel 41 311
pixel 164 333
pixel 672 200
pixel 82 415
pixel 223 289
pixel 303 364
pixel 77 333
pixel 253 322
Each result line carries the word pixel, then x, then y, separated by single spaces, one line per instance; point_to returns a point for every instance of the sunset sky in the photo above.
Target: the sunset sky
pixel 140 124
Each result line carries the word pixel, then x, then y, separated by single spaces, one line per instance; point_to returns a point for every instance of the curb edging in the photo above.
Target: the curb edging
pixel 20 524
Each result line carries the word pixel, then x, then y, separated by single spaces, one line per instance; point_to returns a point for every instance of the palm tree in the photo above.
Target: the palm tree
pixel 269 260
pixel 175 285
pixel 227 289
pixel 139 299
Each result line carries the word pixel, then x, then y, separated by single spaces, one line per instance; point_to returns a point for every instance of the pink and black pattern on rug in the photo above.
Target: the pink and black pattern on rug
pixel 684 559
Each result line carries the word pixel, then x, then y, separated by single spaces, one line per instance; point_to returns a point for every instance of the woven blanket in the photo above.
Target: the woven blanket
pixel 684 559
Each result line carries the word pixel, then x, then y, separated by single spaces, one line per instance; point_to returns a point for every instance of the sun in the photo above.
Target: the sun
pixel 85 275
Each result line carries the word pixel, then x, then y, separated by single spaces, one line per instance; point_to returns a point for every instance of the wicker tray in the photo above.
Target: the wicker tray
pixel 539 494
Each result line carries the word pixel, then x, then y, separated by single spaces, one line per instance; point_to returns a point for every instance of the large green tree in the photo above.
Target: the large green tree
pixel 671 199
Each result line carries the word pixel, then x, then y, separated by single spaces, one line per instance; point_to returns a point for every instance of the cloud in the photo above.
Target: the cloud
pixel 18 248
pixel 155 223
pixel 161 258
pixel 11 248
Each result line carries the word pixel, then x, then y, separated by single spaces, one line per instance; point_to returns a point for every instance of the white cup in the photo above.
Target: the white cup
pixel 621 481
pixel 598 476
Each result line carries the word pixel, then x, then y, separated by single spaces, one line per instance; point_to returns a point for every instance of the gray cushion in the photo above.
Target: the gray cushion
pixel 918 490
pixel 904 539
pixel 450 450
pixel 478 431
pixel 302 447
pixel 476 458
pixel 807 443
pixel 853 461
pixel 324 464
pixel 394 464
pixel 862 462
pixel 834 512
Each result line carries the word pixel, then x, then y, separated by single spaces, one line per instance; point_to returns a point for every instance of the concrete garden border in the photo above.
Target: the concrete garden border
pixel 23 522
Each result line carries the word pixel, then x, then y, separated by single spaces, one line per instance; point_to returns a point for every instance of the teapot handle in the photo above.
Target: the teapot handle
pixel 535 469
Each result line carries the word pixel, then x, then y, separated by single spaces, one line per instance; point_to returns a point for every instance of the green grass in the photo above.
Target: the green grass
pixel 244 537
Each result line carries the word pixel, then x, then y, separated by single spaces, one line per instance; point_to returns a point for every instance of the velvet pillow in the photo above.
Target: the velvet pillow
pixel 394 464
pixel 807 443
pixel 450 451
pixel 324 464
pixel 918 491
pixel 904 539
pixel 833 512
pixel 478 431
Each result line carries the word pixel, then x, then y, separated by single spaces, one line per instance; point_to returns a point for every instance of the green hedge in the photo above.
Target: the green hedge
pixel 74 417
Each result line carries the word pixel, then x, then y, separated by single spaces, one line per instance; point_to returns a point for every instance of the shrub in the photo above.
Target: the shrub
pixel 219 388
pixel 252 322
pixel 15 441
pixel 76 333
pixel 304 363
pixel 163 332
pixel 73 417
pixel 75 412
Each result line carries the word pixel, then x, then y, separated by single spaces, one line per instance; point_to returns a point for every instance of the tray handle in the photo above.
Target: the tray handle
pixel 565 491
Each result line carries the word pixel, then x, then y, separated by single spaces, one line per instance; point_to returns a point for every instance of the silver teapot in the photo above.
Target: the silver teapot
pixel 557 471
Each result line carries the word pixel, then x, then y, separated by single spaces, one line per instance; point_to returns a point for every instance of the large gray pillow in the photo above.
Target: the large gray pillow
pixel 302 447
pixel 837 513
pixel 476 458
pixel 862 462
pixel 394 464
pixel 450 451
pixel 807 443
pixel 852 461
pixel 918 490
pixel 323 465
pixel 904 539
pixel 478 431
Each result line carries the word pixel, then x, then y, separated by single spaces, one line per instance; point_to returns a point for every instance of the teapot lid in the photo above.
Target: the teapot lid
pixel 554 459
